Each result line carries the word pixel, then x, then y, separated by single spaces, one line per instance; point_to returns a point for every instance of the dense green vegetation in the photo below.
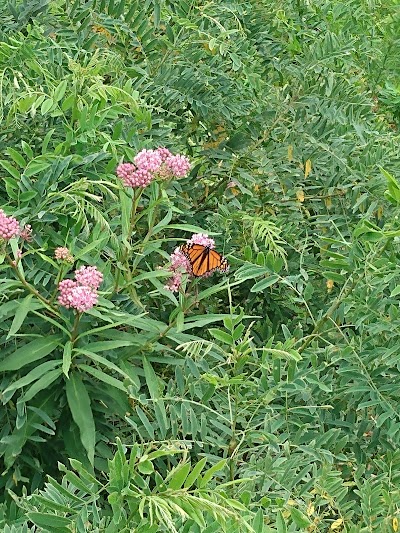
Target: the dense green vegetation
pixel 262 400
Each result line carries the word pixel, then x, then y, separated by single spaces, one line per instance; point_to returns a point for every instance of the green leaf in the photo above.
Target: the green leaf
pixel 102 346
pixel 10 169
pixel 195 473
pixel 145 467
pixel 214 289
pixel 102 376
pixel 290 355
pixel 48 521
pixel 66 364
pixel 59 91
pixel 199 321
pixel 46 106
pixel 250 271
pixel 179 321
pixel 178 476
pixel 27 150
pixel 33 351
pixel 46 140
pixel 203 481
pixel 84 474
pixel 22 310
pixel 33 375
pixel 145 421
pixel 81 484
pixel 126 209
pixel 41 384
pixel 16 157
pixel 149 275
pixel 264 283
pixel 27 196
pixel 163 223
pixel 281 524
pixel 79 404
pixel 35 166
pixel 258 522
pixel 151 379
pixel 190 228
pixel 222 336
pixel 299 518
pixel 26 103
pixel 105 362
pixel 334 276
pixel 161 417
pixel 94 245
pixel 395 291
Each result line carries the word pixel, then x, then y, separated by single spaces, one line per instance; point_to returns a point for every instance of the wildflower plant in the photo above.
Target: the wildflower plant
pixel 133 396
pixel 150 166
pixel 65 300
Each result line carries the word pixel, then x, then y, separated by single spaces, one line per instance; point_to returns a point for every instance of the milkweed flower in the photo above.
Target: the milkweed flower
pixel 9 226
pixel 149 160
pixel 81 293
pixel 179 260
pixel 174 283
pixel 152 164
pixel 164 153
pixel 174 166
pixel 203 239
pixel 124 171
pixel 63 254
pixel 132 176
pixel 26 233
pixel 90 276
pixel 79 297
pixel 179 265
pixel 178 165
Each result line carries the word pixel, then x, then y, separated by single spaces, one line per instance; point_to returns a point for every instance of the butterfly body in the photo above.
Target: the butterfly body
pixel 203 259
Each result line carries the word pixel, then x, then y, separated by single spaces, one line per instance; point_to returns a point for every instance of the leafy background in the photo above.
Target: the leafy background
pixel 263 401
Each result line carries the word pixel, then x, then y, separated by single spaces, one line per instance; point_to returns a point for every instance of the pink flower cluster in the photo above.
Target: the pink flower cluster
pixel 89 276
pixel 180 264
pixel 150 164
pixel 80 294
pixel 203 239
pixel 9 226
pixel 63 254
pixel 178 165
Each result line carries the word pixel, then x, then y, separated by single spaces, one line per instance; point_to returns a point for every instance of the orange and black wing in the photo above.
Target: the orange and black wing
pixel 218 262
pixel 203 260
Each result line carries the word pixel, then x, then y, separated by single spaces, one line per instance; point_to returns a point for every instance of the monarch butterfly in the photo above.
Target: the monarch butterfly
pixel 203 259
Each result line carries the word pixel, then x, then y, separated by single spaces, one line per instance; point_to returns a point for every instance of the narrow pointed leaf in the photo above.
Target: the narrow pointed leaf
pixel 79 404
pixel 33 351
pixel 22 310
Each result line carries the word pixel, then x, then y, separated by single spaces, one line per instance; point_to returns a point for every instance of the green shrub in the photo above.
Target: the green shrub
pixel 265 400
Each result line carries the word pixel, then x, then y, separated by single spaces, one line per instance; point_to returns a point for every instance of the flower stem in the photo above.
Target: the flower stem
pixel 74 332
pixel 136 197
pixel 29 287
pixel 58 278
pixel 135 201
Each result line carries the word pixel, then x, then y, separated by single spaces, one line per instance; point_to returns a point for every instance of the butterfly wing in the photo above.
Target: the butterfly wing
pixel 203 260
pixel 196 255
pixel 220 262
